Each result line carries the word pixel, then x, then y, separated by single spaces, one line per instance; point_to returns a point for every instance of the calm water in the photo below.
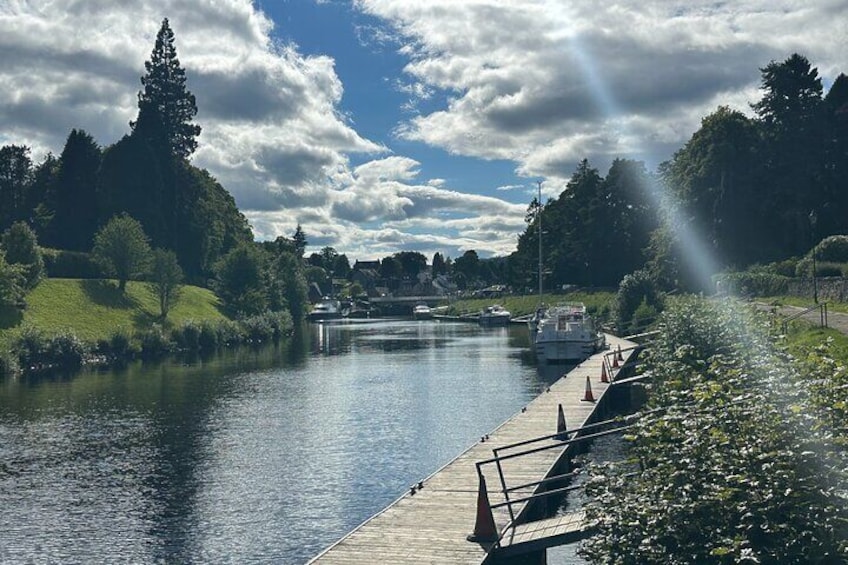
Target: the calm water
pixel 263 456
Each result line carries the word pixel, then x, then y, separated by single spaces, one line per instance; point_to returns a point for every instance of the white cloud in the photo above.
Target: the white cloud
pixel 545 83
pixel 541 83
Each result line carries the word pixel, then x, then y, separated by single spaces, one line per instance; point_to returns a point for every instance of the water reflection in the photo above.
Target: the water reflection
pixel 259 455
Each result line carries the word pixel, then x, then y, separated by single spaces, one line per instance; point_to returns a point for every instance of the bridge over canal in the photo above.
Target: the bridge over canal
pixel 518 461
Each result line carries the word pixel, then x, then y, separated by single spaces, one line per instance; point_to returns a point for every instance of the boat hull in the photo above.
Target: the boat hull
pixel 566 351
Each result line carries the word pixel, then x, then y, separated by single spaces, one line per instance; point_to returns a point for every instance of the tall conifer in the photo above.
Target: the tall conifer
pixel 165 95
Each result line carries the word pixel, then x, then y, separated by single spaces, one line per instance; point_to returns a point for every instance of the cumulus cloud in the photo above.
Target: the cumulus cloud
pixel 545 83
pixel 539 83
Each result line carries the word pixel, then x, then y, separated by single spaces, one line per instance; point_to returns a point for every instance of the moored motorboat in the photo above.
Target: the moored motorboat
pixel 326 309
pixel 567 334
pixel 422 312
pixel 495 315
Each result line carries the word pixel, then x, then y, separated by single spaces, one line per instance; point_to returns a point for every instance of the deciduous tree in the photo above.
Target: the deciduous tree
pixel 123 249
pixel 166 279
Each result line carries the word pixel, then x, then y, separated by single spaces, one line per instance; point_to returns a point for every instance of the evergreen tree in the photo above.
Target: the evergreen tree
pixel 300 242
pixel 75 211
pixel 15 180
pixel 832 215
pixel 42 195
pixel 790 113
pixel 438 264
pixel 166 97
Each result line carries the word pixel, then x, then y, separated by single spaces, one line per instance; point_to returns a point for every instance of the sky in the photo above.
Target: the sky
pixel 405 125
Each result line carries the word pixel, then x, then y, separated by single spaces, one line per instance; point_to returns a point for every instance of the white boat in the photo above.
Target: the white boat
pixel 325 310
pixel 494 316
pixel 422 312
pixel 567 334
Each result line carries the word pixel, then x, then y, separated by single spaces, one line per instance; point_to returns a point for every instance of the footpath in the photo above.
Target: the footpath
pixel 836 320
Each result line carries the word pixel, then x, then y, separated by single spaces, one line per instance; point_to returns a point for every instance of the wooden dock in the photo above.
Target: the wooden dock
pixel 430 524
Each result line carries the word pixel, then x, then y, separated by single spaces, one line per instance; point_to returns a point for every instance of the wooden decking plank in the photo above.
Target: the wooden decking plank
pixel 431 525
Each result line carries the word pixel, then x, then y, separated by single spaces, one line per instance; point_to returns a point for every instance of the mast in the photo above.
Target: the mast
pixel 539 214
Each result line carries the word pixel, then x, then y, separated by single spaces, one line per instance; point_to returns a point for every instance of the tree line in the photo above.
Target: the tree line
pixel 145 175
pixel 756 189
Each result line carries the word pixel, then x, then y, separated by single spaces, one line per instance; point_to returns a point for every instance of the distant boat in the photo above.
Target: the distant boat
pixel 494 316
pixel 325 310
pixel 422 312
pixel 567 334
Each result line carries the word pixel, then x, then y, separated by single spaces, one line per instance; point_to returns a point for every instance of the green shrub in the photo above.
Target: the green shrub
pixel 21 248
pixel 8 364
pixel 753 283
pixel 229 333
pixel 154 342
pixel 833 248
pixel 257 328
pixel 635 289
pixel 119 345
pixel 30 347
pixel 187 336
pixel 829 269
pixel 208 338
pixel 35 350
pixel 60 263
pixel 65 350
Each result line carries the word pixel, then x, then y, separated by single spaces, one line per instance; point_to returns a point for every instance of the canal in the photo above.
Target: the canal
pixel 261 455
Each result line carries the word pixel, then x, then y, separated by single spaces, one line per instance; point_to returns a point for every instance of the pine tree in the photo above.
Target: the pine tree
pixel 75 213
pixel 166 96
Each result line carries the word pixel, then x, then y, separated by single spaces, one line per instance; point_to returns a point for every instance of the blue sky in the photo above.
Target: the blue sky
pixel 389 125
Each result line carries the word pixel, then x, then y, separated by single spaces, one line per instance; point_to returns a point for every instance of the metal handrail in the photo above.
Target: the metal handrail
pixel 822 308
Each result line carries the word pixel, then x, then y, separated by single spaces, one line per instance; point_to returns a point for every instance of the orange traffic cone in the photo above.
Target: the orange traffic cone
pixel 561 429
pixel 619 356
pixel 614 361
pixel 588 396
pixel 604 376
pixel 485 529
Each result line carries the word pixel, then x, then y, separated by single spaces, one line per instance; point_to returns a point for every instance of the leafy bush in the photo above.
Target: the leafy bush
pixel 753 283
pixel 65 350
pixel 60 263
pixel 229 333
pixel 833 248
pixel 187 336
pixel 119 346
pixel 8 364
pixel 829 269
pixel 30 347
pixel 257 328
pixel 35 350
pixel 208 338
pixel 20 245
pixel 154 342
pixel 737 461
pixel 635 289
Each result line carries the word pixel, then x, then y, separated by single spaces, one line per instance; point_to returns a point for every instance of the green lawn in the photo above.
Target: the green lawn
pixel 95 309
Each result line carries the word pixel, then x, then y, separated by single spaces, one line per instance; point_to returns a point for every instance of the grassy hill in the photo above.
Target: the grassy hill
pixel 95 309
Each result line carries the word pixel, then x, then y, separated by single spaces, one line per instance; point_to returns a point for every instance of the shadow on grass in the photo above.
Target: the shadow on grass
pixel 10 317
pixel 106 293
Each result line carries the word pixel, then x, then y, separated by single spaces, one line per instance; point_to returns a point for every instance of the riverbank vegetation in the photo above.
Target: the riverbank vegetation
pixel 598 303
pixel 740 454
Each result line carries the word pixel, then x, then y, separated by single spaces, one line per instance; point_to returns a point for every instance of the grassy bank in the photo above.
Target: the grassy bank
pixel 95 309
pixel 596 303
